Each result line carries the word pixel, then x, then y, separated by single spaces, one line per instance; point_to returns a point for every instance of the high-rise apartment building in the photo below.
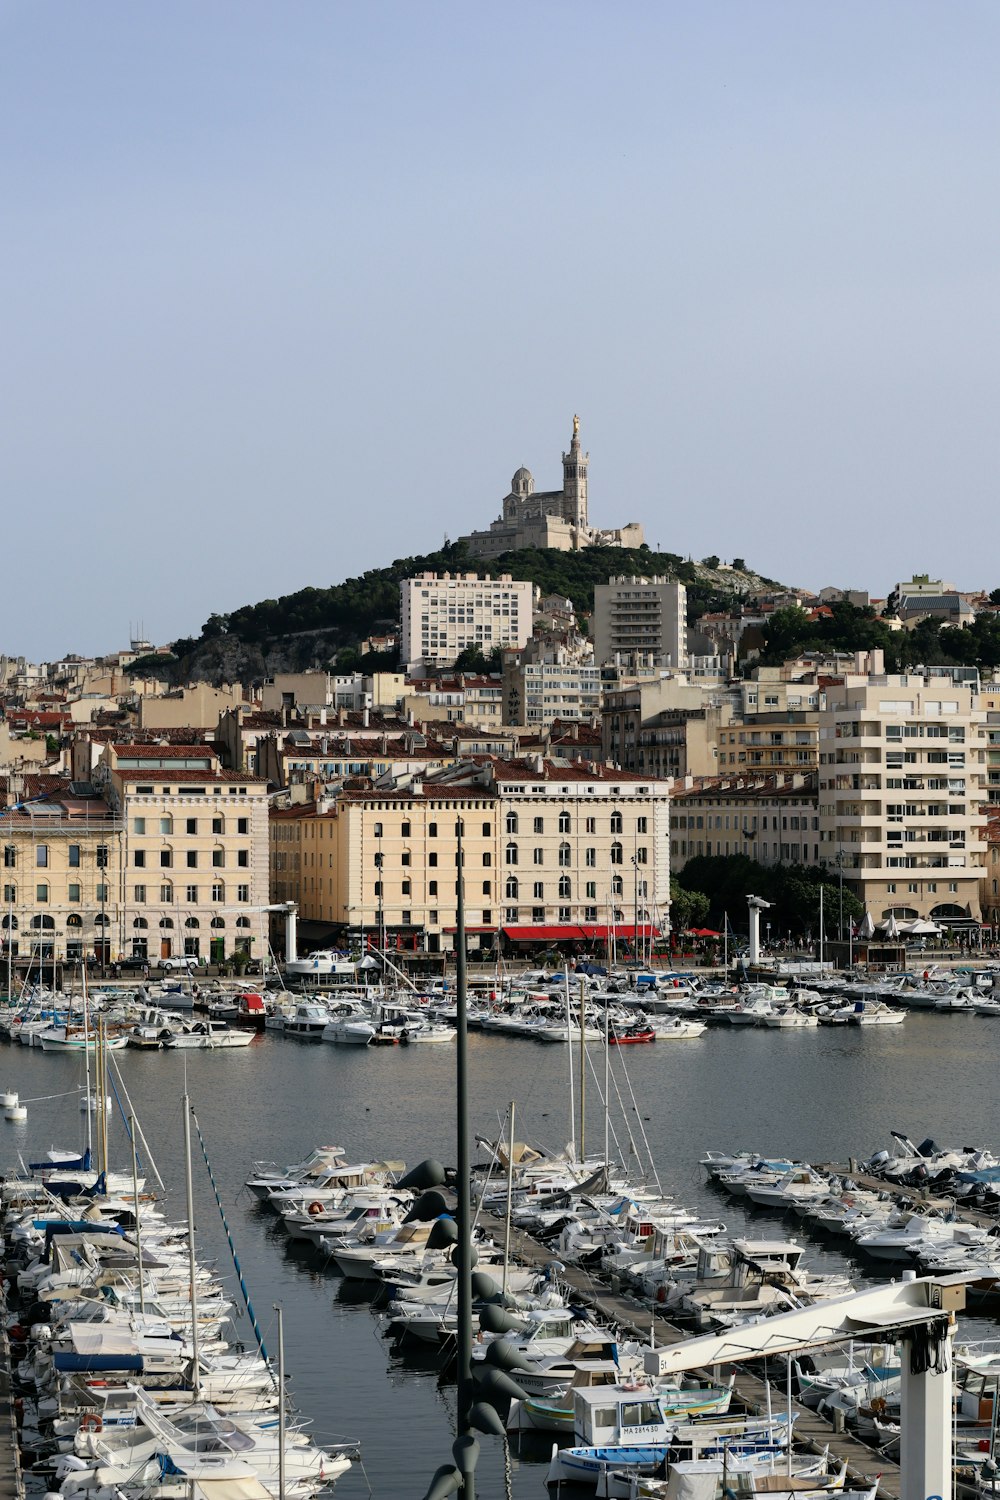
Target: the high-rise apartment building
pixel 901 769
pixel 641 618
pixel 443 613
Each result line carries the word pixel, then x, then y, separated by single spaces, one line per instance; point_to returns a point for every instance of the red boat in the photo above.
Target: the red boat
pixel 628 1038
pixel 250 1012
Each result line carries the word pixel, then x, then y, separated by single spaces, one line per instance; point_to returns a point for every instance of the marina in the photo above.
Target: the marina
pixel 876 1076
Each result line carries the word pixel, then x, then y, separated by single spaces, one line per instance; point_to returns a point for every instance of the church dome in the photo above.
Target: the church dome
pixel 523 482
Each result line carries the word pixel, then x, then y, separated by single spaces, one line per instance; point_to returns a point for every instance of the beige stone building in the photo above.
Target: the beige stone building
pixel 193 876
pixel 901 772
pixel 551 849
pixel 62 862
pixel 196 707
pixel 770 819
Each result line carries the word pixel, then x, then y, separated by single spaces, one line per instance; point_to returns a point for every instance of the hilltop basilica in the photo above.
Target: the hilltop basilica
pixel 550 518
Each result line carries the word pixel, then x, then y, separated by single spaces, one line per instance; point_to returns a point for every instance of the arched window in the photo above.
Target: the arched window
pixel 564 855
pixel 44 924
pixel 166 924
pixel 511 854
pixel 102 921
pixel 140 922
pixel 564 823
pixel 617 886
pixel 243 921
pixel 617 916
pixel 511 887
pixel 192 922
pixel 616 854
pixel 218 922
pixel 616 822
pixel 74 919
pixel 512 822
pixel 9 922
pixel 565 887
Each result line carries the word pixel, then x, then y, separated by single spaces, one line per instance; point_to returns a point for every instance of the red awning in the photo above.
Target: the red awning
pixel 620 931
pixel 544 934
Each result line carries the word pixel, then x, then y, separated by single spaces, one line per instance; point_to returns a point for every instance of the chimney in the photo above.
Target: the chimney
pixel 322 716
pixel 340 714
pixel 366 717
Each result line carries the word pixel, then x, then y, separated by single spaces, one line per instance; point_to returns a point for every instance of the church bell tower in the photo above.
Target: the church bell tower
pixel 575 463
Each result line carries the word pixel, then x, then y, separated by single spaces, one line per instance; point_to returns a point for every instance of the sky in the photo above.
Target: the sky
pixel 293 288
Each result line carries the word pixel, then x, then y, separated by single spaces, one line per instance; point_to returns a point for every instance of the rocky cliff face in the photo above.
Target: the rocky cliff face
pixel 229 659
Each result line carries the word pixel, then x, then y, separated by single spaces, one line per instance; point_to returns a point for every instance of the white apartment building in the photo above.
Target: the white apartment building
pixel 536 693
pixel 901 771
pixel 442 614
pixel 641 617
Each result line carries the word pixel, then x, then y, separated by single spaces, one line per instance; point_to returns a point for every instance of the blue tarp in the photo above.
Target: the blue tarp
pixel 90 1363
pixel 71 1164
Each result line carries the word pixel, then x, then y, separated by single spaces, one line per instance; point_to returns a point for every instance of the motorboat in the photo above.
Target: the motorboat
pixel 207 1034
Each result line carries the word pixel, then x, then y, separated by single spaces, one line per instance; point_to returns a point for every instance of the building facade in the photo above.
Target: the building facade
pixel 444 613
pixel 641 618
pixel 193 876
pixel 770 819
pixel 901 771
pixel 547 846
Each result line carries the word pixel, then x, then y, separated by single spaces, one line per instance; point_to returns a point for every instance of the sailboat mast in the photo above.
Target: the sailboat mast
pixel 569 1054
pixel 281 1401
pixel 192 1266
pixel 86 1059
pixel 135 1214
pixel 510 1194
pixel 583 1078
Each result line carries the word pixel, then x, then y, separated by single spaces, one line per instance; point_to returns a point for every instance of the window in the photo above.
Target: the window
pixel 511 822
pixel 166 859
pixel 591 891
pixel 565 915
pixel 590 914
pixel 138 825
pixel 487 888
pixel 404 830
pixel 139 858
pixel 565 886
pixel 564 822
pixel 404 858
pixel 616 822
pixel 511 854
pixel 511 888
pixel 591 825
pixel 218 891
pixel 191 895
pixel 511 914
pixel 640 825
pixel 243 893
pixel 564 855
pixel 218 825
pixel 432 888
pixel 74 893
pixel 486 830
pixel 406 919
pixel 539 825
pixel 218 859
pixel 190 825
pixel 617 885
pixel 74 856
pixel 616 854
pixel 432 917
pixel 377 830
pixel 487 918
pixel 9 856
pixel 191 859
pixel 166 825
pixel 432 859
pixel 378 887
pixel 243 858
pixel 10 892
pixel 138 894
pixel 432 830
pixel 103 892
pixel 242 826
pixel 538 890
pixel 487 860
pixel 166 894
pixel 406 891
pixel 41 893
pixel 640 855
pixel 538 913
pixel 538 856
pixel 42 856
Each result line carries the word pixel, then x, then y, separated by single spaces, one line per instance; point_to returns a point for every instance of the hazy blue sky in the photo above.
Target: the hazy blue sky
pixel 293 288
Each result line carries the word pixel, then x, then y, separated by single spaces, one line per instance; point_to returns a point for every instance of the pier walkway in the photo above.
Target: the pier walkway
pixel 11 1477
pixel 811 1430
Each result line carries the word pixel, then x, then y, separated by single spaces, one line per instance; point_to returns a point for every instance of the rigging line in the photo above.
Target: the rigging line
pixel 642 1128
pixel 232 1248
pixel 121 1111
pixel 41 1098
pixel 604 1105
pixel 139 1130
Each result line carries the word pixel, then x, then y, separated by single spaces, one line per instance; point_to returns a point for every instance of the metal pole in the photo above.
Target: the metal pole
pixel 463 1190
pixel 281 1401
pixel 510 1190
pixel 607 1084
pixel 135 1211
pixel 86 1058
pixel 821 924
pixel 192 1264
pixel 569 1054
pixel 583 1081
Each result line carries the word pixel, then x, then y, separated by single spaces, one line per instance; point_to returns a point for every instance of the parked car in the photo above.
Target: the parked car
pixel 186 961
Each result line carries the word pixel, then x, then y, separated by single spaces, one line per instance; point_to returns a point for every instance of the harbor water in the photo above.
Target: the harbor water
pixel 824 1095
